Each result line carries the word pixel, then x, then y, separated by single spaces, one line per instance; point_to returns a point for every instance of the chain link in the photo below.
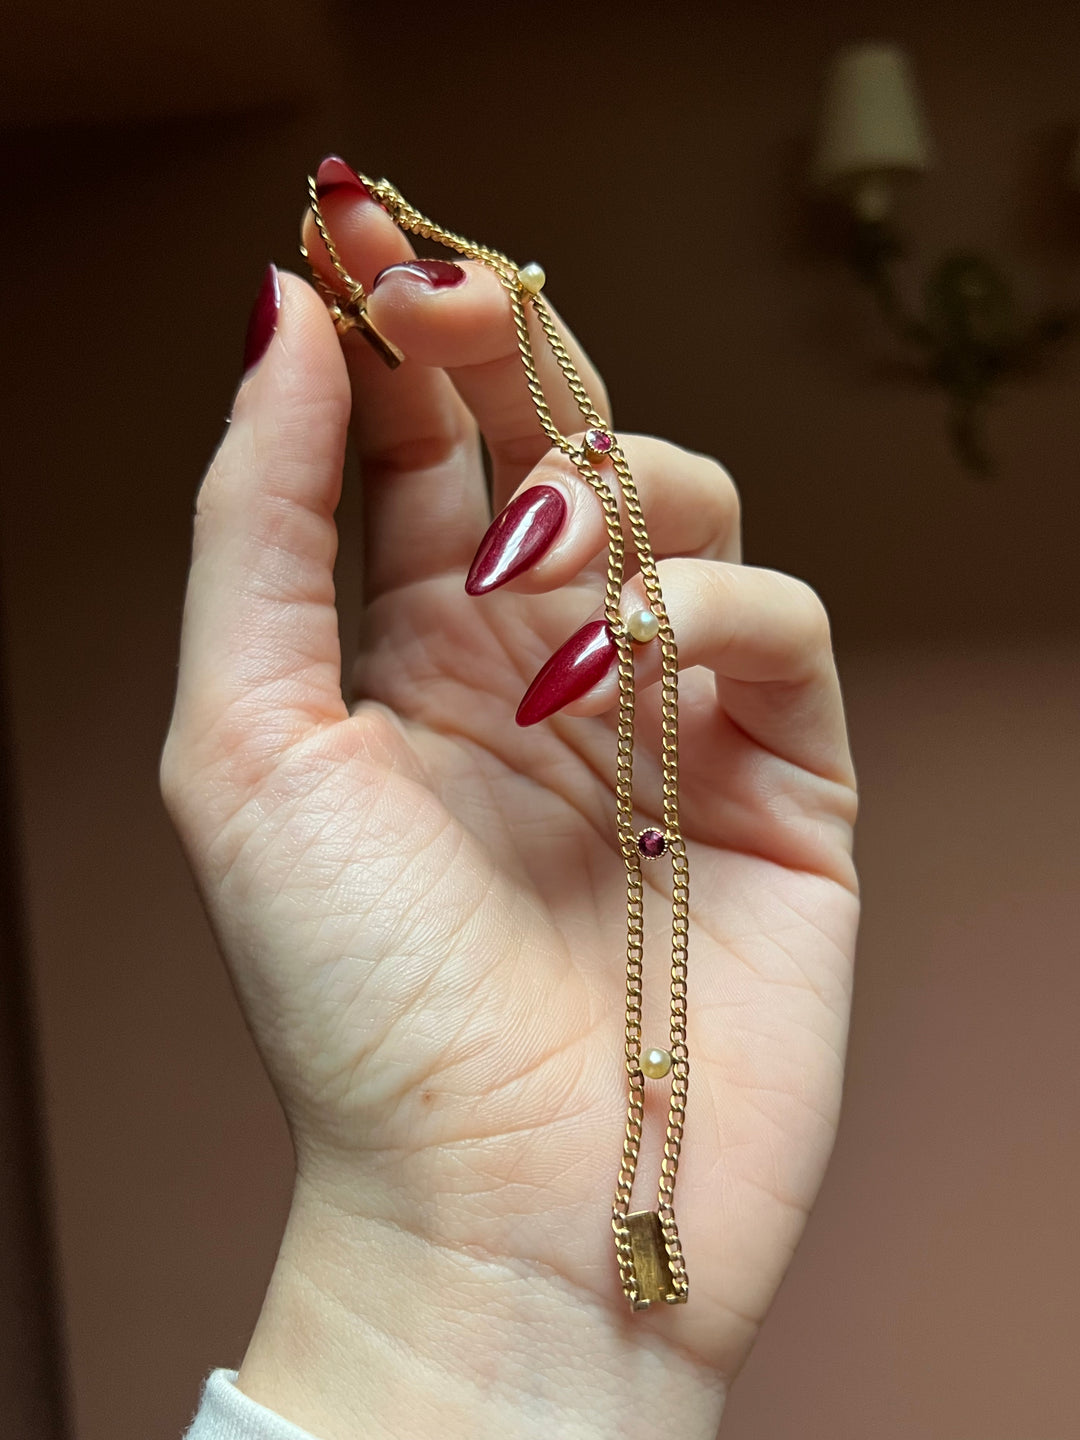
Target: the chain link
pixel 523 303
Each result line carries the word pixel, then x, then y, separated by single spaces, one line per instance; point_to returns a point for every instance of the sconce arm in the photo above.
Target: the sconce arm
pixel 970 331
pixel 876 246
pixel 1055 327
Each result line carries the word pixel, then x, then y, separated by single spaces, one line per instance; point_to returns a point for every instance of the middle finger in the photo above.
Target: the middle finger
pixel 689 501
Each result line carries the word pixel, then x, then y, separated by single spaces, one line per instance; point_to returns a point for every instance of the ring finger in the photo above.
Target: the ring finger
pixel 765 637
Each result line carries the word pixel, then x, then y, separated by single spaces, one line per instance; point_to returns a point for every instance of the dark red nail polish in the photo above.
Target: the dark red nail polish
pixel 517 537
pixel 335 175
pixel 264 319
pixel 439 273
pixel 576 666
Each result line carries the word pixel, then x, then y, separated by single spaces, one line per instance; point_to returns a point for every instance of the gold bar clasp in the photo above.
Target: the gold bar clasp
pixel 651 1268
pixel 352 314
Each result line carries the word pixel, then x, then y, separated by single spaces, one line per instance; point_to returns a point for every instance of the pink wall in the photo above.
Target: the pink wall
pixel 933 1296
pixel 935 1293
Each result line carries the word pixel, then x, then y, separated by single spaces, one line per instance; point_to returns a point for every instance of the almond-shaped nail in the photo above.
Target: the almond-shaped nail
pixel 264 319
pixel 335 176
pixel 437 273
pixel 516 538
pixel 579 664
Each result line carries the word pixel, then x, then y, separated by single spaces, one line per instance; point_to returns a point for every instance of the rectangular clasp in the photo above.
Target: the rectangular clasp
pixel 651 1269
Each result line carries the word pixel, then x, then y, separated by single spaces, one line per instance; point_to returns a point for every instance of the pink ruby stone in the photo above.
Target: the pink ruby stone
pixel 652 843
pixel 598 441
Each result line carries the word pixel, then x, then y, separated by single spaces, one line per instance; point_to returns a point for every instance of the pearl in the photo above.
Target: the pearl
pixel 532 277
pixel 656 1063
pixel 643 625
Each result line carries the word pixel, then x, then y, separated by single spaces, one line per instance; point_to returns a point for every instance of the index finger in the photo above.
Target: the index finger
pixel 470 333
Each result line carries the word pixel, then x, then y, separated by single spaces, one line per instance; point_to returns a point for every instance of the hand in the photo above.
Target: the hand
pixel 422 902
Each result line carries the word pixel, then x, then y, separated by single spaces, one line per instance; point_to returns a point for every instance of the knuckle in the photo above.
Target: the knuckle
pixel 811 619
pixel 717 467
pixel 333 409
pixel 730 498
pixel 734 494
pixel 714 520
pixel 406 456
pixel 172 776
pixel 207 497
pixel 522 452
pixel 710 588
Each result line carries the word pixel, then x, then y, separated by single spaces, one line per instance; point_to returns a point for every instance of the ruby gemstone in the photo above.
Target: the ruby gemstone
pixel 652 843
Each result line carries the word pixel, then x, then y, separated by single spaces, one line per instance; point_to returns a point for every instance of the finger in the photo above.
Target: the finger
pixel 764 635
pixel 259 661
pixel 424 499
pixel 469 333
pixel 689 502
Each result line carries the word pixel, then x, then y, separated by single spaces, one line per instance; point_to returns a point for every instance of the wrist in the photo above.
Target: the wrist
pixel 369 1330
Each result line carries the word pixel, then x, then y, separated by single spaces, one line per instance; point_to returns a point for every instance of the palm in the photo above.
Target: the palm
pixel 455 885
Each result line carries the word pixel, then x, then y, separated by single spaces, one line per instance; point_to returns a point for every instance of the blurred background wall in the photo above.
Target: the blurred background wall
pixel 655 163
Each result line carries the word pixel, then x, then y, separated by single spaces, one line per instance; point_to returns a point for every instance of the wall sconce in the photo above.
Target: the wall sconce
pixel 970 334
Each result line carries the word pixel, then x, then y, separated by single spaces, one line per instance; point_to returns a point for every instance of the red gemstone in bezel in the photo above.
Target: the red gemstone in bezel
pixel 599 442
pixel 652 843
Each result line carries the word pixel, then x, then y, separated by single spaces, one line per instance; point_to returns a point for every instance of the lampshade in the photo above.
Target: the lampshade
pixel 872 122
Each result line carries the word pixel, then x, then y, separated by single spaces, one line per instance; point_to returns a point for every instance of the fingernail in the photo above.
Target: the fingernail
pixel 578 665
pixel 439 273
pixel 517 537
pixel 264 319
pixel 334 175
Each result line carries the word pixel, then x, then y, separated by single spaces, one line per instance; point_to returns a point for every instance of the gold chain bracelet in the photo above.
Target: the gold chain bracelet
pixel 647 1245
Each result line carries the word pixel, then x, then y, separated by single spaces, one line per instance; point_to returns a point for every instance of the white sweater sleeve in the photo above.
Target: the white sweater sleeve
pixel 226 1413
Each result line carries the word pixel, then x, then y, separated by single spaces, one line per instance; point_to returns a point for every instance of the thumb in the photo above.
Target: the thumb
pixel 260 662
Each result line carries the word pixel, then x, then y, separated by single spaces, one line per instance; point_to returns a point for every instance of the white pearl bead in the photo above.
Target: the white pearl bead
pixel 532 277
pixel 643 625
pixel 656 1063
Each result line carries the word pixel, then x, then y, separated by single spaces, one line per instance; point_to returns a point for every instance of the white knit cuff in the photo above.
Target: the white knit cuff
pixel 226 1413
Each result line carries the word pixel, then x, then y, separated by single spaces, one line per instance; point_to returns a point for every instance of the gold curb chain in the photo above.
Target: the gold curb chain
pixel 647 1245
